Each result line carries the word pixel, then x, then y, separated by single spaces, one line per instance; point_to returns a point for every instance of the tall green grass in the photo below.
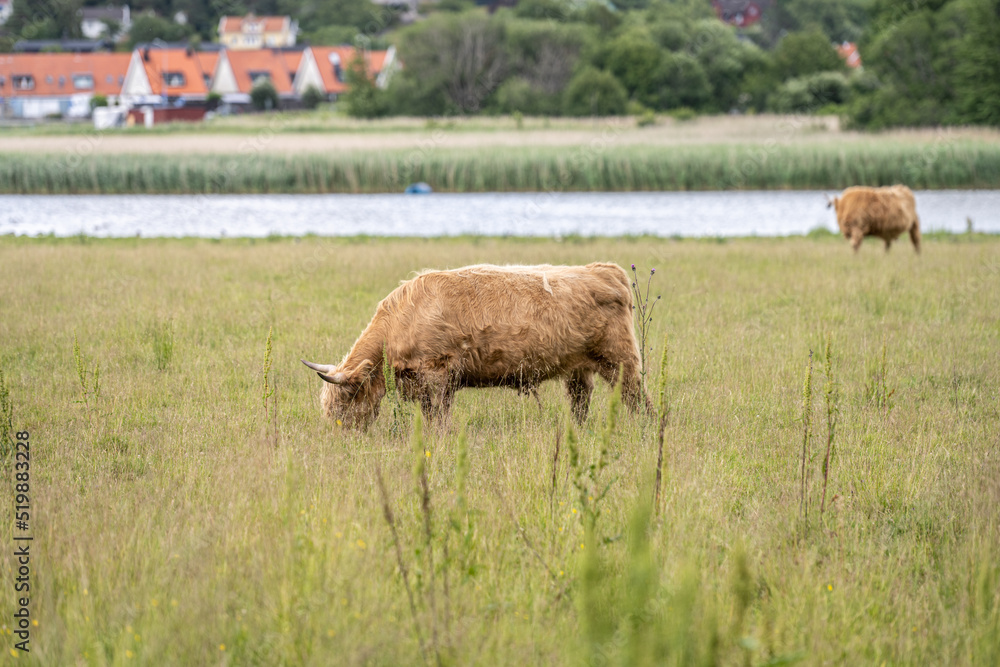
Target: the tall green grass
pixel 961 164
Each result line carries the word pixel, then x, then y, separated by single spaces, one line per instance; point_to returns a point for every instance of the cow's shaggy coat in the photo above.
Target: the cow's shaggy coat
pixel 882 212
pixel 491 326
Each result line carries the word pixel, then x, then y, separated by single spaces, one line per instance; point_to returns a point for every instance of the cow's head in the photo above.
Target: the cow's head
pixel 831 202
pixel 351 396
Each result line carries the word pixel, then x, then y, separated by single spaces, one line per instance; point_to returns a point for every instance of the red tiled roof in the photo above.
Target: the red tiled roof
pixel 53 73
pixel 157 62
pixel 246 63
pixel 849 52
pixel 374 60
pixel 235 23
pixel 292 60
pixel 207 61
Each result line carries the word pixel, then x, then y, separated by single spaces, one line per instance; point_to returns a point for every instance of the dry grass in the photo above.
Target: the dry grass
pixel 296 133
pixel 173 527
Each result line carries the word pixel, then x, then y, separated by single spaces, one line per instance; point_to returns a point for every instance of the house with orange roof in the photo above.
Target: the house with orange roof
pixel 237 72
pixel 325 67
pixel 848 51
pixel 36 85
pixel 257 32
pixel 172 75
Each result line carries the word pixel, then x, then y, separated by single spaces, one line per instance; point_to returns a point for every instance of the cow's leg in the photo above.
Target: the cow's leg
pixel 857 236
pixel 888 242
pixel 579 386
pixel 915 234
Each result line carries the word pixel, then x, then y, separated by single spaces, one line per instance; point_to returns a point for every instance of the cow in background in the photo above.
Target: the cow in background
pixel 883 212
pixel 490 326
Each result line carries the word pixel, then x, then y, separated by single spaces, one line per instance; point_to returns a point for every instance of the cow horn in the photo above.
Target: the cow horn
pixel 336 378
pixel 319 368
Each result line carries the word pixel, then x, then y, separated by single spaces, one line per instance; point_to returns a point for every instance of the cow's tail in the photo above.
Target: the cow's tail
pixel 915 233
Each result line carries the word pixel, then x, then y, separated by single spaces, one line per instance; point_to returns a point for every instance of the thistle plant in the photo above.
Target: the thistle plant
pixel 664 413
pixel 88 388
pixel 642 311
pixel 832 412
pixel 266 388
pixel 806 435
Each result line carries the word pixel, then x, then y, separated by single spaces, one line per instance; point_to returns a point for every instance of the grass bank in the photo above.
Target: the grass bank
pixel 593 167
pixel 182 516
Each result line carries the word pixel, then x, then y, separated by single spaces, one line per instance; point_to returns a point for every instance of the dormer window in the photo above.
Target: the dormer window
pixel 259 77
pixel 48 79
pixel 23 82
pixel 174 79
pixel 82 81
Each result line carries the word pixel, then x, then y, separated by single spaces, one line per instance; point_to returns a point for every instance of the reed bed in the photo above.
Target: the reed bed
pixel 586 168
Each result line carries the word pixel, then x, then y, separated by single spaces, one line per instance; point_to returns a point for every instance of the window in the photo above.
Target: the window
pixel 259 77
pixel 109 79
pixel 174 79
pixel 82 81
pixel 23 82
pixel 48 79
pixel 62 81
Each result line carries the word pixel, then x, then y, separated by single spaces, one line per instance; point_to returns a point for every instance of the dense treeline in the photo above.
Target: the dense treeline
pixel 926 62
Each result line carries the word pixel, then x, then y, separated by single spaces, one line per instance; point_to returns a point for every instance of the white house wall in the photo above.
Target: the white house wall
pixel 136 85
pixel 308 74
pixel 224 80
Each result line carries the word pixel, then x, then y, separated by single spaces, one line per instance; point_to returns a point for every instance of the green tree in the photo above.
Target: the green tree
pixel 263 96
pixel 807 52
pixel 633 57
pixel 977 73
pixel 146 28
pixel 726 61
pixel 312 97
pixel 680 81
pixel 454 62
pixel 44 19
pixel 594 92
pixel 363 98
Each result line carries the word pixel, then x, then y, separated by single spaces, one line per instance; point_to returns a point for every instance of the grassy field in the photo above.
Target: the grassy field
pixel 306 153
pixel 179 521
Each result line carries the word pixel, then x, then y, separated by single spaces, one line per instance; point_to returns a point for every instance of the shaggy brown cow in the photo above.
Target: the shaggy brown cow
pixel 491 326
pixel 882 212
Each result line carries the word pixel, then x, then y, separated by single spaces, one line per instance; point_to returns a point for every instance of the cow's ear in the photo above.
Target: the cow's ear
pixel 362 371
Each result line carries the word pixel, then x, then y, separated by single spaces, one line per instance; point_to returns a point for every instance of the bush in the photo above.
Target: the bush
pixel 312 97
pixel 594 92
pixel 213 101
pixel 98 101
pixel 264 97
pixel 363 98
pixel 806 52
pixel 680 81
pixel 809 93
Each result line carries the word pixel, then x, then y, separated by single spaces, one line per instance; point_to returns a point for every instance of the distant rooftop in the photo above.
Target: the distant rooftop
pixel 65 45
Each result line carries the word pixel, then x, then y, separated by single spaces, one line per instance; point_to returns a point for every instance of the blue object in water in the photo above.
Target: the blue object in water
pixel 420 188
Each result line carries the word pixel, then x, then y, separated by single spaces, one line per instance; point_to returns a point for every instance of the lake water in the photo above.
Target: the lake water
pixel 518 214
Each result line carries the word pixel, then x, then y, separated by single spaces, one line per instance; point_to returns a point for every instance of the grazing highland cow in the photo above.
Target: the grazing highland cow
pixel 882 212
pixel 490 326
